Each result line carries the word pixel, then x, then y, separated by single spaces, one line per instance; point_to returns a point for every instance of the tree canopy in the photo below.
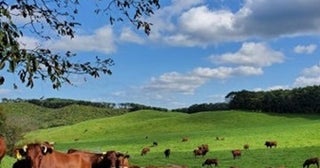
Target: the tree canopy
pixel 59 16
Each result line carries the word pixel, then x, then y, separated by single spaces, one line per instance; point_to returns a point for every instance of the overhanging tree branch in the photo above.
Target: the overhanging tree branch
pixel 59 15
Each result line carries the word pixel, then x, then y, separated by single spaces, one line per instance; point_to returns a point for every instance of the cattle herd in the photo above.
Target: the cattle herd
pixel 43 155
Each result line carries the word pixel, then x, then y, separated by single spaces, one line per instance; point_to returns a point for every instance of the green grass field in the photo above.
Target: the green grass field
pixel 298 137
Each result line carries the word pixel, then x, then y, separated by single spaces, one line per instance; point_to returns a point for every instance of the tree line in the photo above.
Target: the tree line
pixel 60 103
pixel 298 100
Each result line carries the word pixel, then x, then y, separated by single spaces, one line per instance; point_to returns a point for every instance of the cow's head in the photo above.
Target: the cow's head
pixel 35 152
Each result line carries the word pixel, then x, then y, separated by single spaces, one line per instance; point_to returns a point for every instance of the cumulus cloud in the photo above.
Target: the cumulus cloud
pixel 29 42
pixel 226 72
pixel 249 60
pixel 175 82
pixel 127 35
pixel 201 25
pixel 251 54
pixel 305 49
pixel 309 76
pixel 274 18
pixel 102 40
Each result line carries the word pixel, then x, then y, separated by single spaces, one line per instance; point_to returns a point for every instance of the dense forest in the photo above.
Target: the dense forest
pixel 298 100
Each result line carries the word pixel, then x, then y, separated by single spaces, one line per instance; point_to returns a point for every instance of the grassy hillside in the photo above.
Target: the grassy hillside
pixel 32 117
pixel 297 135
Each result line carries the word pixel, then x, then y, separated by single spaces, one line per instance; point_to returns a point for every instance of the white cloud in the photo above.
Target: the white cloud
pixel 101 41
pixel 200 25
pixel 273 18
pixel 305 49
pixel 29 42
pixel 247 61
pixel 226 72
pixel 175 82
pixel 309 76
pixel 127 35
pixel 251 54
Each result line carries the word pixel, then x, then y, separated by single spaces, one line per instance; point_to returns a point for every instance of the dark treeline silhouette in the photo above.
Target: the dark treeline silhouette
pixel 298 100
pixel 135 107
pixel 203 107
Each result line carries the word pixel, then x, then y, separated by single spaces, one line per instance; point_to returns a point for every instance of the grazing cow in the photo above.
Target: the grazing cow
pixel 167 153
pixel 202 150
pixel 155 143
pixel 210 162
pixel 236 153
pixel 246 146
pixel 185 139
pixel 3 147
pixel 43 156
pixel 144 151
pixel 270 144
pixel 310 161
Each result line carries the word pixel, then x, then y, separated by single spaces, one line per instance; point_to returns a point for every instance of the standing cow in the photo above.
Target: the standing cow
pixel 43 156
pixel 144 151
pixel 167 153
pixel 270 144
pixel 236 153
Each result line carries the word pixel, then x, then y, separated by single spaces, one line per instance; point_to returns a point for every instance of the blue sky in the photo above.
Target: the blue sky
pixel 198 52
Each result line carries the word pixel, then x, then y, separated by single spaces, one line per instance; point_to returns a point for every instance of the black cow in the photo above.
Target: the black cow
pixel 167 153
pixel 310 161
pixel 271 144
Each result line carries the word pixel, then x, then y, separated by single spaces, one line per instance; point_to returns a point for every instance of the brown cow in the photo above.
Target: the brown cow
pixel 202 150
pixel 270 144
pixel 236 153
pixel 210 162
pixel 144 151
pixel 122 160
pixel 310 161
pixel 3 147
pixel 97 160
pixel 43 156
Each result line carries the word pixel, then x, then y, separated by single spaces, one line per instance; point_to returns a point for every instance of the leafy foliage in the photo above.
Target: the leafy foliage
pixel 298 100
pixel 59 16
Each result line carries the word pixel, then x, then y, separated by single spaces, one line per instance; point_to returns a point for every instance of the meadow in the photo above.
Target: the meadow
pixel 297 135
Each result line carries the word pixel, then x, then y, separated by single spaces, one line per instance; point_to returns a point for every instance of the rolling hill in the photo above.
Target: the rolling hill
pixel 297 135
